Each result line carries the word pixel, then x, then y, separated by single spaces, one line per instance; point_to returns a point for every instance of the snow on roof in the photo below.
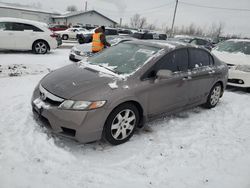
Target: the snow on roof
pixel 239 40
pixel 76 13
pixel 27 8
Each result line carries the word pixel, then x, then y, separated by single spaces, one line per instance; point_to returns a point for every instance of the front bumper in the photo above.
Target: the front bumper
pixel 74 57
pixel 238 78
pixel 83 126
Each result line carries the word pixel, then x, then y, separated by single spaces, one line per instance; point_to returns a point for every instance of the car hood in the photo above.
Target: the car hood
pixel 74 80
pixel 233 58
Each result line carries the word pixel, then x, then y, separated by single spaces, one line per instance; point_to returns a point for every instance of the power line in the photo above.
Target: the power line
pixel 213 7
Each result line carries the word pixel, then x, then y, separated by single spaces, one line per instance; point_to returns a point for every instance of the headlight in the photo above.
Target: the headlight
pixel 81 105
pixel 244 68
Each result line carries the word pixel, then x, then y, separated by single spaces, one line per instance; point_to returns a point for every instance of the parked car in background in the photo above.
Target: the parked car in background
pixel 86 37
pixel 142 35
pixel 236 53
pixel 124 32
pixel 159 36
pixel 203 42
pixel 20 34
pixel 111 31
pixel 71 33
pixel 122 87
pixel 58 27
pixel 81 51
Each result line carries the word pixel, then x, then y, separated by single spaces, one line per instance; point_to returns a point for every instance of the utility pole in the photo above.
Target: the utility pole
pixel 86 6
pixel 172 28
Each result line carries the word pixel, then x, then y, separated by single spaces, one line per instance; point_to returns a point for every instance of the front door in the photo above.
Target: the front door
pixel 165 95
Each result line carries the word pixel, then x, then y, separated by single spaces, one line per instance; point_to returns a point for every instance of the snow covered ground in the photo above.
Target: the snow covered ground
pixel 193 149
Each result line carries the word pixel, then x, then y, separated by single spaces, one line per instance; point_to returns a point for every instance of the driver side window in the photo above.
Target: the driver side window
pixel 176 61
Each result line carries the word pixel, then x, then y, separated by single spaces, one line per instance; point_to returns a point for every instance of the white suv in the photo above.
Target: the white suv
pixel 20 34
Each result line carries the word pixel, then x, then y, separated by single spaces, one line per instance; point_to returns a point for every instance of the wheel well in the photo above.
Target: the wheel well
pixel 140 110
pixel 222 86
pixel 42 41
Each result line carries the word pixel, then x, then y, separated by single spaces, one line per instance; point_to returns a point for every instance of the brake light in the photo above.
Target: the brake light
pixel 54 35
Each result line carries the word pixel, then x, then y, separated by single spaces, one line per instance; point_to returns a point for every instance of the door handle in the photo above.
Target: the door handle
pixel 186 78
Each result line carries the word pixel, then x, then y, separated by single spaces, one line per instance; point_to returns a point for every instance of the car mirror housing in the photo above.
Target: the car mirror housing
pixel 164 74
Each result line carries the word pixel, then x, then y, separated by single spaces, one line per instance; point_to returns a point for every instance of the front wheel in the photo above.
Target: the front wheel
pixel 214 96
pixel 65 37
pixel 121 124
pixel 40 47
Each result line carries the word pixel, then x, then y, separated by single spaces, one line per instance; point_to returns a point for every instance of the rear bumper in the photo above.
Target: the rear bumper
pixel 53 43
pixel 238 78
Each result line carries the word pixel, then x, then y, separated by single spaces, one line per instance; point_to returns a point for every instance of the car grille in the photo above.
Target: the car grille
pixel 49 98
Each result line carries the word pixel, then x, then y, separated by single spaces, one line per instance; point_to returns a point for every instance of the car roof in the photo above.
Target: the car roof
pixel 239 40
pixel 164 44
pixel 19 20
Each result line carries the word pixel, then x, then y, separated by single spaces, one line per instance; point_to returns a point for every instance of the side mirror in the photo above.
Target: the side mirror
pixel 164 74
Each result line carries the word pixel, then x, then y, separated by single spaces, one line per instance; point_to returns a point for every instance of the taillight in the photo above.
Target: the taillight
pixel 54 35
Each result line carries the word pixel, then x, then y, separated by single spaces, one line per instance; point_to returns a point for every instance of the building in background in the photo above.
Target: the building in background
pixel 85 18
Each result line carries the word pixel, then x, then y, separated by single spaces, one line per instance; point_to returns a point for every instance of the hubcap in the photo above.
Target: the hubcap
pixel 41 47
pixel 123 124
pixel 215 96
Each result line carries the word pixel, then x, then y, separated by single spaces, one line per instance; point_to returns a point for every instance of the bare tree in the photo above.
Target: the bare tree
pixel 137 22
pixel 151 27
pixel 71 8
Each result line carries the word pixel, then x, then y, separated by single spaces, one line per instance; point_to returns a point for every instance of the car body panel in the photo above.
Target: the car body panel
pixel 155 96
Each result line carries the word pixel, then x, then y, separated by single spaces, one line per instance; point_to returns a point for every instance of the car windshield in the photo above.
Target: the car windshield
pixel 124 58
pixel 234 47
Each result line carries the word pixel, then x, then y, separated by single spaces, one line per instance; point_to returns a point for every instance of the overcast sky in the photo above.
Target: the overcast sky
pixel 160 12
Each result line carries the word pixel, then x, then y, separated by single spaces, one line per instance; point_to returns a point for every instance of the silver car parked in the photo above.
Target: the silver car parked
pixel 119 89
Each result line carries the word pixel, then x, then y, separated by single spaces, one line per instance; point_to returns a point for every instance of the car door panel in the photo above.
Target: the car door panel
pixel 164 95
pixel 202 73
pixel 6 36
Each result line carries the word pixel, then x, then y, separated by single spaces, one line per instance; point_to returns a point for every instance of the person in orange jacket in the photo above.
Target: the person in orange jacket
pixel 99 41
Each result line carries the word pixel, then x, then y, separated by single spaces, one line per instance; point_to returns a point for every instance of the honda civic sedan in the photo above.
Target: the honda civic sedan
pixel 124 86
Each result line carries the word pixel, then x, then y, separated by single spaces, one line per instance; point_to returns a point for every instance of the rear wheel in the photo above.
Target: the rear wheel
pixel 121 124
pixel 65 37
pixel 214 96
pixel 40 47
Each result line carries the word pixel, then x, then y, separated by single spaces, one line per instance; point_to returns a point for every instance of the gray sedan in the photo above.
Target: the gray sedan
pixel 124 86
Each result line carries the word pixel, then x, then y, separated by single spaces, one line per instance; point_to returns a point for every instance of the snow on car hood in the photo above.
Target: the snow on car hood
pixel 72 80
pixel 233 58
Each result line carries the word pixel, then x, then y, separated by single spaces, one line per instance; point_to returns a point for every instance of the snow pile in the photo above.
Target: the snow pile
pixel 197 148
pixel 21 70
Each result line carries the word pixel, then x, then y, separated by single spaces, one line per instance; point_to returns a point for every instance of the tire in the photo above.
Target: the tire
pixel 40 47
pixel 214 96
pixel 121 124
pixel 65 37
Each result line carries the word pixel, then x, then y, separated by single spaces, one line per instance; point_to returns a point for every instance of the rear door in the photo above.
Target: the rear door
pixel 6 36
pixel 25 35
pixel 167 94
pixel 201 67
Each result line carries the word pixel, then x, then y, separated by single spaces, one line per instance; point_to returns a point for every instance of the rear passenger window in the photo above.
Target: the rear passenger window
pixel 198 58
pixel 180 58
